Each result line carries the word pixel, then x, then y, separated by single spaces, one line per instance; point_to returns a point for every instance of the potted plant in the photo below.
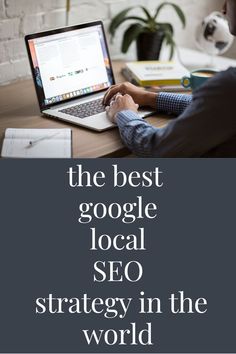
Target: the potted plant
pixel 147 31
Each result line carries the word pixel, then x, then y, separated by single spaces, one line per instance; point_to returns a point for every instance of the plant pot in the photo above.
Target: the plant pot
pixel 149 45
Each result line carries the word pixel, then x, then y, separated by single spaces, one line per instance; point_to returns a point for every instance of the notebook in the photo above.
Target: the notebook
pixel 37 143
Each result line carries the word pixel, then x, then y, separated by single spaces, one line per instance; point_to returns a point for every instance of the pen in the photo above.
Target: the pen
pixel 34 142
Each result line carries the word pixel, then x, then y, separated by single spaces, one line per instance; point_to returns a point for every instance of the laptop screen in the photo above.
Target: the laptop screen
pixel 70 64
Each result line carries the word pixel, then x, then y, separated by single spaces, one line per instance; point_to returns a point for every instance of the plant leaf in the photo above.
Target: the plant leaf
pixel 128 19
pixel 170 42
pixel 178 10
pixel 147 13
pixel 131 34
pixel 117 20
pixel 166 27
pixel 172 51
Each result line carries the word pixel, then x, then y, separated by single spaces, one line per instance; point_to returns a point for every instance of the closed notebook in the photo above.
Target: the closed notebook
pixel 156 73
pixel 37 143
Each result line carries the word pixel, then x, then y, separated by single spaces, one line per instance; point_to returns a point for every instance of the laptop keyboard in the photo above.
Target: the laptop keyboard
pixel 85 110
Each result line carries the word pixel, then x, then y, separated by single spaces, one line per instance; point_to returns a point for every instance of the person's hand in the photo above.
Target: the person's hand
pixel 120 103
pixel 139 95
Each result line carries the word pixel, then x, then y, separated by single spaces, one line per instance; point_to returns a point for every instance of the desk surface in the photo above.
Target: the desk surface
pixel 19 109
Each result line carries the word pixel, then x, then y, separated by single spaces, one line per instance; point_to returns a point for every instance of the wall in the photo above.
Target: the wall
pixel 20 17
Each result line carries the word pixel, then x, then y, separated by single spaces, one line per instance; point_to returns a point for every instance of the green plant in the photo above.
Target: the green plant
pixel 146 24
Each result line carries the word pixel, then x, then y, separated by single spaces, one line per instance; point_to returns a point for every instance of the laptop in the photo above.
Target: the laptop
pixel 72 70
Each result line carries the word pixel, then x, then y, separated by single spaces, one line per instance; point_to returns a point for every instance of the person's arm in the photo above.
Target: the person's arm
pixel 207 122
pixel 130 122
pixel 165 102
pixel 172 103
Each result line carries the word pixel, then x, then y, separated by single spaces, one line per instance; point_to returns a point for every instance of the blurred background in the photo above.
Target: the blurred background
pixel 21 17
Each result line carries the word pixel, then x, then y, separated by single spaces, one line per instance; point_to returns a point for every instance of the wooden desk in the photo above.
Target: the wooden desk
pixel 19 109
